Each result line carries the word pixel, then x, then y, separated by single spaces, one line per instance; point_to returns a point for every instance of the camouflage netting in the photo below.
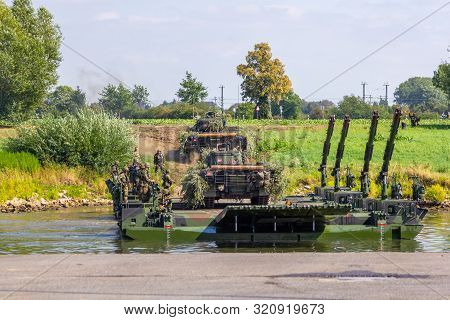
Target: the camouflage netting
pixel 194 188
pixel 182 139
pixel 278 182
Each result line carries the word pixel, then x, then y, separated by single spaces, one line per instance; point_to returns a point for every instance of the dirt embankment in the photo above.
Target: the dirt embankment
pixel 166 139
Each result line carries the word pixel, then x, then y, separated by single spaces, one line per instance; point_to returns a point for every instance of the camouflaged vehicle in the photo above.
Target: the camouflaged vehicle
pixel 229 176
pixel 211 131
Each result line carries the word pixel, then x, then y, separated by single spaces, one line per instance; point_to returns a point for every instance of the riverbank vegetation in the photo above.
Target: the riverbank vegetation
pixel 63 156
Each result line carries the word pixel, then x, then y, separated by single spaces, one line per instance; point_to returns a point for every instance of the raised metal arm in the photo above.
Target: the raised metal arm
pixel 326 151
pixel 364 179
pixel 383 176
pixel 340 153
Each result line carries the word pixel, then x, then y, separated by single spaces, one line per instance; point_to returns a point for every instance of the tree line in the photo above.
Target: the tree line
pixel 30 54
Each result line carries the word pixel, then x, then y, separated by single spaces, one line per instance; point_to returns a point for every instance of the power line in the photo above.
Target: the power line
pixel 99 67
pixel 378 49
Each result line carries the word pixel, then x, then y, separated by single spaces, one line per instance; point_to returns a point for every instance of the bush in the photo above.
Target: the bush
pixel 21 160
pixel 436 193
pixel 88 138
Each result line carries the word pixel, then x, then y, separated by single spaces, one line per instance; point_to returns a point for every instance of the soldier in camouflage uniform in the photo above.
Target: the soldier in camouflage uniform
pixel 145 182
pixel 124 183
pixel 158 161
pixel 115 190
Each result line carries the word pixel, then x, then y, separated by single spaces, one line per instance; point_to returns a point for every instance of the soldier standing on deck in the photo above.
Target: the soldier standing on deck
pixel 158 161
pixel 125 183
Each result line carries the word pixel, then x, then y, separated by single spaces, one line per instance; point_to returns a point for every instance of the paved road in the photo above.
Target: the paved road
pixel 227 276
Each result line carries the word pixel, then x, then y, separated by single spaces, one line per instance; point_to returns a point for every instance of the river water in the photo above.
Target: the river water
pixel 93 230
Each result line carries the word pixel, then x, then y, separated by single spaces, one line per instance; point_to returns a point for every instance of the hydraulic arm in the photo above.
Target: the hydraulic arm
pixel 326 151
pixel 340 153
pixel 364 179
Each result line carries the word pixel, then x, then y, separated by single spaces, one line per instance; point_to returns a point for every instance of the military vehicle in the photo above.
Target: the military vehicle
pixel 229 176
pixel 211 131
pixel 329 212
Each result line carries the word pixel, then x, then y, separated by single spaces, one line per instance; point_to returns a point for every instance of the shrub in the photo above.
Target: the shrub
pixel 21 160
pixel 435 193
pixel 88 138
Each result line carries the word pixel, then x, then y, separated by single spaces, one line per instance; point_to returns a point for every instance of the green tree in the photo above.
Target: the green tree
pixel 192 91
pixel 66 99
pixel 291 105
pixel 116 99
pixel 243 110
pixel 141 97
pixel 29 57
pixel 421 95
pixel 441 78
pixel 264 79
pixel 354 107
pixel 309 106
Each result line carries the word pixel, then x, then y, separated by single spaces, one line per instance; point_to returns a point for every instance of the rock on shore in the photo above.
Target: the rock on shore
pixel 35 204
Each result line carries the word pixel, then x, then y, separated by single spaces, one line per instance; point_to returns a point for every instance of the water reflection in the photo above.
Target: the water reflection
pixel 93 230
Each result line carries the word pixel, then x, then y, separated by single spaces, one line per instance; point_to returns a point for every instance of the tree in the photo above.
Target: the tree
pixel 420 94
pixel 191 91
pixel 441 78
pixel 264 79
pixel 291 105
pixel 355 107
pixel 140 97
pixel 66 99
pixel 116 99
pixel 309 106
pixel 244 110
pixel 29 57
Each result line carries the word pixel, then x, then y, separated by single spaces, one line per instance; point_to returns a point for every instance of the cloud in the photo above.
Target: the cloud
pixel 249 9
pixel 107 16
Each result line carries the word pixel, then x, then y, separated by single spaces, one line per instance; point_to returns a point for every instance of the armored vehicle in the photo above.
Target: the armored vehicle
pixel 229 176
pixel 211 131
pixel 211 122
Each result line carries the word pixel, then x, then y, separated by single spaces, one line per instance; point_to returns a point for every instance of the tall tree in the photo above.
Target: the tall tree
pixel 264 79
pixel 66 99
pixel 420 95
pixel 141 96
pixel 291 106
pixel 191 91
pixel 441 78
pixel 355 107
pixel 116 99
pixel 29 57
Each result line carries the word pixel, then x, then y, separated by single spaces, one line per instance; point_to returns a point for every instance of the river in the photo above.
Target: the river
pixel 93 230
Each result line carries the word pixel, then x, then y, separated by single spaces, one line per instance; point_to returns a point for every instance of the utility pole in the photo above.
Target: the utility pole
pixel 221 97
pixel 386 85
pixel 364 84
pixel 370 98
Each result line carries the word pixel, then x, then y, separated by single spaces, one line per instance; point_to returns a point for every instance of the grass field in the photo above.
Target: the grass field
pixel 423 151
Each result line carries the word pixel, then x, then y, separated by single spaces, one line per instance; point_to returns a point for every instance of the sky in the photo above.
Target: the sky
pixel 153 43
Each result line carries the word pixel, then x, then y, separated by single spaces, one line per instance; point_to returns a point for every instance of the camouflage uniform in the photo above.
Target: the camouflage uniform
pixel 125 184
pixel 145 182
pixel 158 161
pixel 115 190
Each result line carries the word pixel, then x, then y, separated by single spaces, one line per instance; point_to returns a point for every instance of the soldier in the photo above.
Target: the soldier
pixel 403 125
pixel 124 183
pixel 350 179
pixel 158 161
pixel 115 169
pixel 396 190
pixel 145 182
pixel 167 181
pixel 134 175
pixel 115 187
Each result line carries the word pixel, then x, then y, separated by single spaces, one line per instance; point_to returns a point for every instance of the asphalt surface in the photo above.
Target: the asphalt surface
pixel 227 276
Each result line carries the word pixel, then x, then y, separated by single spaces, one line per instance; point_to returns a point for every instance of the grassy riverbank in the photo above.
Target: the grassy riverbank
pixel 297 145
pixel 23 177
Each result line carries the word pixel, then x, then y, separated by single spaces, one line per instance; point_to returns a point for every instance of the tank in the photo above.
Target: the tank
pixel 229 176
pixel 209 132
